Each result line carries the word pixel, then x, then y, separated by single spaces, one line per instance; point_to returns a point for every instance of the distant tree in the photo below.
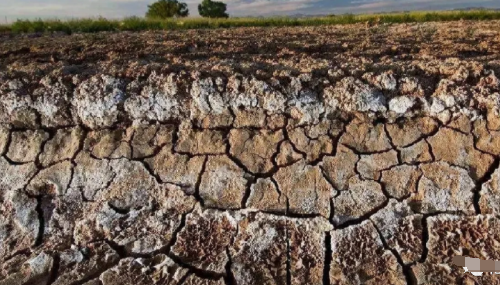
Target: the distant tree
pixel 163 9
pixel 212 9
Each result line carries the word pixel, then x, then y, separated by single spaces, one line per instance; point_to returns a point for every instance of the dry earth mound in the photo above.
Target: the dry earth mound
pixel 314 155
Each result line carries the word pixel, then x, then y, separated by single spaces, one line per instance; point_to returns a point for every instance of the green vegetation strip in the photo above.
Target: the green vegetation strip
pixel 142 24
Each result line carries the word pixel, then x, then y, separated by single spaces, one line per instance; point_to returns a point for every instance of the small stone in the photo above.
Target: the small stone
pixel 362 197
pixel 264 196
pixel 416 153
pixel 176 168
pixel 365 137
pixel 26 145
pixel 255 149
pixel 287 155
pixel 62 146
pixel 409 131
pixel 204 240
pixel 223 184
pixel 443 188
pixel 401 229
pixel 489 202
pixel 197 142
pixel 341 167
pixel 458 149
pixel 370 165
pixel 306 189
pixel 401 181
pixel 359 257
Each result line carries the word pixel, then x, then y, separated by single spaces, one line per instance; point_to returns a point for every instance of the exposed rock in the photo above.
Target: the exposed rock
pixel 489 202
pixel 419 152
pixel 97 100
pixel 34 271
pixel 4 139
pixel 91 175
pixel 176 168
pixel 255 149
pixel 201 142
pixel 259 251
pixel 359 257
pixel 254 118
pixel 449 236
pixel 53 181
pixel 370 165
pixel 141 271
pixel 458 149
pixel 307 250
pixel 341 167
pixel 305 188
pixel 109 143
pixel 204 240
pixel 401 104
pixel 362 197
pixel 79 264
pixel 316 140
pixel 401 181
pixel 264 196
pixel 15 176
pixel 62 146
pixel 409 131
pixel 353 95
pixel 147 140
pixel 365 137
pixel 486 140
pixel 287 155
pixel 401 228
pixel 26 145
pixel 443 188
pixel 195 280
pixel 223 184
pixel 19 223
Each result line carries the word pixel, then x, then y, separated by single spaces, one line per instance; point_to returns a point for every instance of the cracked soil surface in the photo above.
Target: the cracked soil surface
pixel 312 155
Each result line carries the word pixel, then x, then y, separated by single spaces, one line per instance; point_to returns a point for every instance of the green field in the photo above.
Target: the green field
pixel 141 24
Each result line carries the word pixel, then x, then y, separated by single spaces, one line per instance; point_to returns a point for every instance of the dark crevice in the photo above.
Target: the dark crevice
pixel 205 274
pixel 407 271
pixel 363 218
pixel 328 258
pixel 288 259
pixel 198 182
pixel 41 219
pixel 55 268
pixel 425 239
pixel 479 183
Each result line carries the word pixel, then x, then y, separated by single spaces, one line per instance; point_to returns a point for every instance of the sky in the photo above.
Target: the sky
pixel 11 10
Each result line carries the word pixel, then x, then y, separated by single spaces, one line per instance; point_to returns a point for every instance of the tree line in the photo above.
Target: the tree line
pixel 163 9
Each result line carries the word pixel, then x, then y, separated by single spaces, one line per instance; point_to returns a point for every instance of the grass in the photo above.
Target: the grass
pixel 141 24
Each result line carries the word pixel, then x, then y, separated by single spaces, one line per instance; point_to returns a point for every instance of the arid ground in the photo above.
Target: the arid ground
pixel 357 154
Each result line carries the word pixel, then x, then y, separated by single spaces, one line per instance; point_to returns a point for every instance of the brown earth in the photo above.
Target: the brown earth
pixel 312 155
